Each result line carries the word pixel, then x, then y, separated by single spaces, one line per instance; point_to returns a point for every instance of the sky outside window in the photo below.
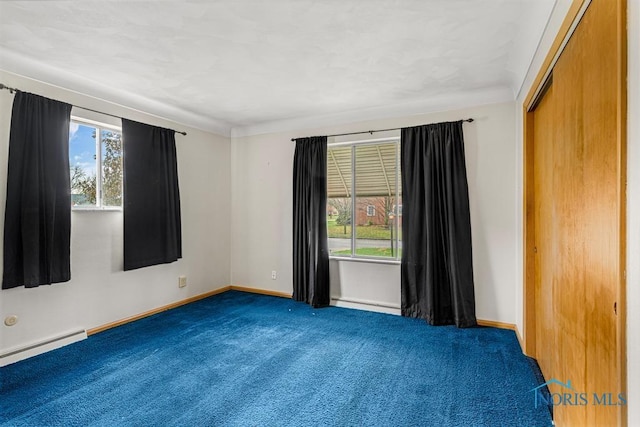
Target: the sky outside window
pixel 82 148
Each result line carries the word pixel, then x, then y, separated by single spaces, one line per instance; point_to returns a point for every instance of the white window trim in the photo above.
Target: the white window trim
pixel 360 258
pixel 364 142
pixel 99 126
pixel 96 208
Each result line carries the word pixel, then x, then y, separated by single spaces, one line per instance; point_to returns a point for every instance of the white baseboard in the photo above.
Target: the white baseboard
pixel 16 354
pixel 367 305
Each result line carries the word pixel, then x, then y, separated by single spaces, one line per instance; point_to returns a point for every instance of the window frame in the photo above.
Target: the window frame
pixel 353 144
pixel 99 127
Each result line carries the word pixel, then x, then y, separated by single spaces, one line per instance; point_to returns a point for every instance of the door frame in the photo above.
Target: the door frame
pixel 571 21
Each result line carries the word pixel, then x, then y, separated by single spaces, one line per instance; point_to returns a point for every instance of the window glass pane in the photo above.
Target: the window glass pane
pixel 82 162
pixel 375 187
pixel 339 200
pixel 111 168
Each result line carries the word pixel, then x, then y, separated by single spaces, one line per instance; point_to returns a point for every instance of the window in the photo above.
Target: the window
pixel 95 161
pixel 363 193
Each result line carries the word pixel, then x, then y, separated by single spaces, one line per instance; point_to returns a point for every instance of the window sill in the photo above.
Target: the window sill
pixel 369 260
pixel 94 209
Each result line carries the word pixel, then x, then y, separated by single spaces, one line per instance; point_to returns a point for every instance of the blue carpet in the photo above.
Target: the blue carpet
pixel 244 359
pixel 543 392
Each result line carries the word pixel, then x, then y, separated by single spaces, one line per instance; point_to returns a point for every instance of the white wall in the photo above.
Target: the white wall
pixel 633 190
pixel 262 212
pixel 99 291
pixel 365 285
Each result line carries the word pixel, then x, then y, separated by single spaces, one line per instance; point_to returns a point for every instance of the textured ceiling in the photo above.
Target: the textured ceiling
pixel 234 63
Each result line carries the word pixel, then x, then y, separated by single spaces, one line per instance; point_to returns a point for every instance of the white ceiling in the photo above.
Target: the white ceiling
pixel 228 64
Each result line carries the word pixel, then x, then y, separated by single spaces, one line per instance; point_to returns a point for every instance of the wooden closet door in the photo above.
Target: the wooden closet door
pixel 578 215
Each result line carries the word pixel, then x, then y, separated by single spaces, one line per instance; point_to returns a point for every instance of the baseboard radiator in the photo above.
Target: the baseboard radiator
pixel 368 305
pixel 17 354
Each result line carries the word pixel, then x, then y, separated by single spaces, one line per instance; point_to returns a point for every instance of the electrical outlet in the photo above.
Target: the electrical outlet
pixel 11 320
pixel 274 275
pixel 182 281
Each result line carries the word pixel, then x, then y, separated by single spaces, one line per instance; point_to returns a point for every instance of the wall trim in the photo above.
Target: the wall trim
pixel 435 104
pixel 576 11
pixel 357 304
pixel 261 291
pixel 497 324
pixel 148 313
pixel 367 302
pixel 280 294
pixel 30 350
pixel 27 68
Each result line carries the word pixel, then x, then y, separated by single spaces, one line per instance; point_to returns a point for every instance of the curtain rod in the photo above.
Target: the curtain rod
pixel 12 90
pixel 373 131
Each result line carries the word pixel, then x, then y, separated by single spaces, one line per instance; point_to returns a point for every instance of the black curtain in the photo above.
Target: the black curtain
pixel 152 226
pixel 310 245
pixel 437 268
pixel 37 221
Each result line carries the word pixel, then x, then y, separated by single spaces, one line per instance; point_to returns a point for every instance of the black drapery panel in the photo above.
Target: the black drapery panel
pixel 152 227
pixel 37 222
pixel 437 268
pixel 310 245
